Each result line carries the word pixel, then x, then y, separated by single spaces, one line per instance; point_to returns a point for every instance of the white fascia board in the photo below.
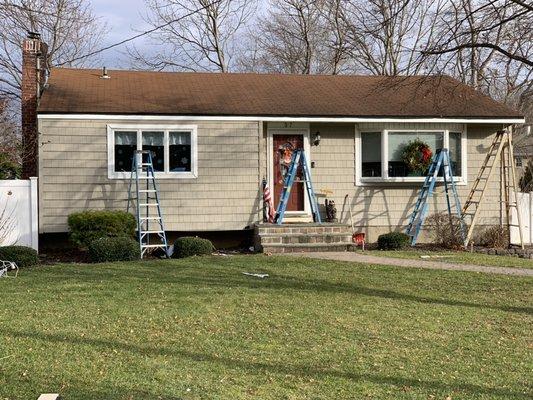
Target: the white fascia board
pixel 109 117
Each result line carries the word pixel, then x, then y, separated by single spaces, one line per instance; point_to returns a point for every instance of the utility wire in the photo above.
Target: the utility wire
pixel 144 33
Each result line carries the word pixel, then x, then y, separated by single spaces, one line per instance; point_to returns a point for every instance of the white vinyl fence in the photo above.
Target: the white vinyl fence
pixel 525 202
pixel 18 213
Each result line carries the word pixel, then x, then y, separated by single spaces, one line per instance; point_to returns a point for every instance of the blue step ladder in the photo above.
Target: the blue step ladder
pixel 440 161
pixel 145 198
pixel 298 159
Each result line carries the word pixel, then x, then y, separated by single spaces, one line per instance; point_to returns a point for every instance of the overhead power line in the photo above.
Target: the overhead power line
pixel 144 33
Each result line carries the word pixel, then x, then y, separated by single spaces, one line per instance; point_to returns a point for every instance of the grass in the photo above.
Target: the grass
pixel 199 329
pixel 460 257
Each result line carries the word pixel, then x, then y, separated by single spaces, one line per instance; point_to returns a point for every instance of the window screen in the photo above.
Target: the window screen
pixel 125 146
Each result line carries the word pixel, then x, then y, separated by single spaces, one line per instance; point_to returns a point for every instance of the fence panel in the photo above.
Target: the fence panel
pixel 525 202
pixel 19 213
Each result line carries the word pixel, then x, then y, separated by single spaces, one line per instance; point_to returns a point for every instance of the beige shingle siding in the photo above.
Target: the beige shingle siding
pixel 383 207
pixel 73 176
pixel 231 163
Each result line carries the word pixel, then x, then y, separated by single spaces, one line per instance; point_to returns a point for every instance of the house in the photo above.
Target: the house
pixel 216 136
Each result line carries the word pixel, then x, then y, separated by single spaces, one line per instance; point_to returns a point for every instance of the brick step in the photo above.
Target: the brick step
pixel 293 238
pixel 305 247
pixel 263 230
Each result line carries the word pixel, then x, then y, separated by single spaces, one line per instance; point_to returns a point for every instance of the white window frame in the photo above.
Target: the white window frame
pixel 362 181
pixel 139 128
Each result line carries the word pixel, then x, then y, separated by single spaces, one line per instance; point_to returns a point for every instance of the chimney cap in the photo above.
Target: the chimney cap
pixel 34 35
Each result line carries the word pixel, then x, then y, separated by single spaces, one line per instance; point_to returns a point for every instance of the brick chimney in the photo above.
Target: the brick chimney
pixel 33 80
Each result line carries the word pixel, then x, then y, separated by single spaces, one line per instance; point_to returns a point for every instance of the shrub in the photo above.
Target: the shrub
pixel 107 249
pixel 21 255
pixel 86 226
pixel 496 237
pixel 191 246
pixel 443 233
pixel 393 241
pixel 9 168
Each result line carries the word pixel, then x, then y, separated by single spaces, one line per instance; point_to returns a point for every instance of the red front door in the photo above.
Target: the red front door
pixel 284 145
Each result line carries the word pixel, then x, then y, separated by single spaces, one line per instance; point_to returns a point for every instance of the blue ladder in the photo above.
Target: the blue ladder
pixel 298 158
pixel 146 198
pixel 441 159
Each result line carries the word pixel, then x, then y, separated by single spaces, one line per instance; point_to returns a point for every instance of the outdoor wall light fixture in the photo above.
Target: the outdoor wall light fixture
pixel 317 138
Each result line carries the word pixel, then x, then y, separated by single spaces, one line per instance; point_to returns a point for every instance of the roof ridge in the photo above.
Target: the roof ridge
pixel 237 73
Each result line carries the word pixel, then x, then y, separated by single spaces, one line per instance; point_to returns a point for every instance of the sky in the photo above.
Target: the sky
pixel 123 18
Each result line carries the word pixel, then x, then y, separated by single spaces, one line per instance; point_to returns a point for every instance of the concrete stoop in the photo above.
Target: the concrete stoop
pixel 299 238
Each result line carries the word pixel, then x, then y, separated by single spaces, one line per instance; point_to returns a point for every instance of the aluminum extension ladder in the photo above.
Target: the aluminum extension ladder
pixel 150 226
pixel 298 159
pixel 440 161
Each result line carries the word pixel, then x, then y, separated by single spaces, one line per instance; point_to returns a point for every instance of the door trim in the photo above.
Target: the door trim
pixel 288 128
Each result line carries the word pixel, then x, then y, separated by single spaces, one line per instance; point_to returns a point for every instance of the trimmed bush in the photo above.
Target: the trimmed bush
pixel 86 226
pixel 107 249
pixel 191 246
pixel 393 241
pixel 21 255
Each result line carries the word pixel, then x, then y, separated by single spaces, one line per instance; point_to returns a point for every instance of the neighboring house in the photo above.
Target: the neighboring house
pixel 523 149
pixel 216 136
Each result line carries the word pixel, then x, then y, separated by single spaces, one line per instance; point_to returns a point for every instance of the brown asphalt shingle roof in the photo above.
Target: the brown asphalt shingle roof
pixel 82 91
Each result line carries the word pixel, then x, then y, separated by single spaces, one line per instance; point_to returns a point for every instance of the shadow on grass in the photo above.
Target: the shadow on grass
pixel 256 367
pixel 229 276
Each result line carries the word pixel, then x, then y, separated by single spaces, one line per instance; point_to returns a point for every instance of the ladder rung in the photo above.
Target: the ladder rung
pixel 149 205
pixel 143 232
pixel 145 218
pixel 147 190
pixel 153 245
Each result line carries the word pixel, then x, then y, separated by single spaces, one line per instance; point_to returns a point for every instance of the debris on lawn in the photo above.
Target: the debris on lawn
pixel 261 276
pixel 435 256
pixel 6 266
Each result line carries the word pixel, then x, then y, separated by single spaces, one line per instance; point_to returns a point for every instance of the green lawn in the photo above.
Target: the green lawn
pixel 460 257
pixel 199 329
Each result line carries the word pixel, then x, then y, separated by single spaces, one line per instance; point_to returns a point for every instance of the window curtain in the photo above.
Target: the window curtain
pixel 123 138
pixel 179 138
pixel 153 138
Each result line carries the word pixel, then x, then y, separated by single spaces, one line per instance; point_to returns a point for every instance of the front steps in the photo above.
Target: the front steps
pixel 299 238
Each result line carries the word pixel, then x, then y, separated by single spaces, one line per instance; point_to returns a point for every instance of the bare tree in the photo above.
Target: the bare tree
pixel 10 143
pixel 69 27
pixel 204 41
pixel 488 45
pixel 379 37
pixel 500 26
pixel 385 36
pixel 299 37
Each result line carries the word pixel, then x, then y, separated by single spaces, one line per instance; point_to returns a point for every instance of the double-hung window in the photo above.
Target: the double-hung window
pixel 380 154
pixel 173 148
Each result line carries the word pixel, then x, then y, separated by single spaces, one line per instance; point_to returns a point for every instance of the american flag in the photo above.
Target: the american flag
pixel 268 204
